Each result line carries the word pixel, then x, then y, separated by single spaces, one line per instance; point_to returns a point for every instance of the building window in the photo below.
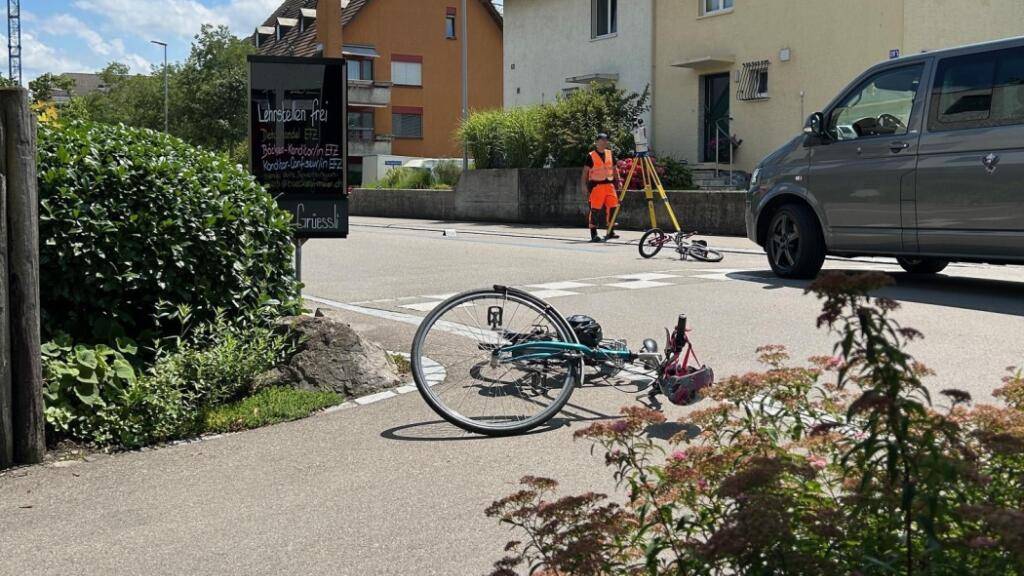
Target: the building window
pixel 360 69
pixel 753 81
pixel 406 70
pixel 604 18
pixel 449 24
pixel 407 122
pixel 979 91
pixel 360 126
pixel 713 6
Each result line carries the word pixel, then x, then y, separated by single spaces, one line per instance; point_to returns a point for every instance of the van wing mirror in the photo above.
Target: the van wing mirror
pixel 815 124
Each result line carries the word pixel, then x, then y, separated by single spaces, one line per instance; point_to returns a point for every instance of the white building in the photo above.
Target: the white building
pixel 555 46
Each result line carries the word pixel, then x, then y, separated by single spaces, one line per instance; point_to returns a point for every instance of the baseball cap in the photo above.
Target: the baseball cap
pixel 602 136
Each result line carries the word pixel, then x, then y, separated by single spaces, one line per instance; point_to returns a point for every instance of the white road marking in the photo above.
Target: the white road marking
pixel 639 284
pixel 422 306
pixel 438 297
pixel 560 286
pixel 552 293
pixel 405 389
pixel 374 398
pixel 647 276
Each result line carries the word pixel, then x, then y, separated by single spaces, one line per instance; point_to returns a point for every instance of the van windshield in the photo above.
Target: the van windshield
pixel 879 106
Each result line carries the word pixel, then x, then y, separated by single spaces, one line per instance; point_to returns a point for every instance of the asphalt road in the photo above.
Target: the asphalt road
pixel 389 489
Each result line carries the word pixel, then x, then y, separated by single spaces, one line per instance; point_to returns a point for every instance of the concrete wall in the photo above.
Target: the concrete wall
pixel 425 204
pixel 547 41
pixel 547 197
pixel 830 43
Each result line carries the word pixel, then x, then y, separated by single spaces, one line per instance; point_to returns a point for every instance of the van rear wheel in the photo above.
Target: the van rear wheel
pixel 794 243
pixel 923 265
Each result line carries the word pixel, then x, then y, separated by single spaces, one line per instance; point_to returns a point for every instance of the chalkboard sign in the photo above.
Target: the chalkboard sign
pixel 298 139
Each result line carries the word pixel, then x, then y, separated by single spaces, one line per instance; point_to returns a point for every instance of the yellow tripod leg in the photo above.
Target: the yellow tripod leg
pixel 622 197
pixel 664 196
pixel 649 194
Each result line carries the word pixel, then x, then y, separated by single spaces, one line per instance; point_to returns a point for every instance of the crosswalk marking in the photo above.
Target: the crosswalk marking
pixel 560 286
pixel 542 294
pixel 647 277
pixel 639 284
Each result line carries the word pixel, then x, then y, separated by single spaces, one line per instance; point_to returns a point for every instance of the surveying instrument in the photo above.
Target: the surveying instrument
pixel 643 168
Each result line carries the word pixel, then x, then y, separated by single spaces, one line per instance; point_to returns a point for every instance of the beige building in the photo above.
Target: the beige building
pixel 753 70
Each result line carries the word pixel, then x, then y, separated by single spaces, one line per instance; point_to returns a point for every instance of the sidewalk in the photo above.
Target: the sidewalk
pixel 725 243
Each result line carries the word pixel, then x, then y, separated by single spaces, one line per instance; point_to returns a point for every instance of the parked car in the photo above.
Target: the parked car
pixel 920 158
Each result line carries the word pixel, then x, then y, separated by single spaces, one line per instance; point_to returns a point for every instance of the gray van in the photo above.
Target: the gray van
pixel 921 158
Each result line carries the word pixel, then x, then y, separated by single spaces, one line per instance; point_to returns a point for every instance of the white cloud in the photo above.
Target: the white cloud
pixel 180 19
pixel 37 58
pixel 104 50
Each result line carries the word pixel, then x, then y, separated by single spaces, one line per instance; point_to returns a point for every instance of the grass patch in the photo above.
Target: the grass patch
pixel 404 366
pixel 267 407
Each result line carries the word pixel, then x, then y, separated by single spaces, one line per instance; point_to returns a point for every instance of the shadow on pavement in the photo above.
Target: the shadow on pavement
pixel 980 294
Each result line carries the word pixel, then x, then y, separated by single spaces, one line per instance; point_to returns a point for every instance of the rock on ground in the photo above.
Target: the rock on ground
pixel 332 357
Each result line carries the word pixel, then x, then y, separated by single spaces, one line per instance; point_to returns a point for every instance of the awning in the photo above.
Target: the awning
pixel 359 51
pixel 706 62
pixel 590 78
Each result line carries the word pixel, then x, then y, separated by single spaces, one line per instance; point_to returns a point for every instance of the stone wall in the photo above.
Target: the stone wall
pixel 541 196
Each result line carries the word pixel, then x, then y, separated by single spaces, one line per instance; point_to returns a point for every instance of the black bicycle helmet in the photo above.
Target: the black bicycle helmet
pixel 587 330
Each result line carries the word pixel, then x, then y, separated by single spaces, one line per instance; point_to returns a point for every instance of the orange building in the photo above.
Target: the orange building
pixel 404 66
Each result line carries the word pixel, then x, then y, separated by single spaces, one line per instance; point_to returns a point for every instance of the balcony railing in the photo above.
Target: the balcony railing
pixel 364 142
pixel 369 93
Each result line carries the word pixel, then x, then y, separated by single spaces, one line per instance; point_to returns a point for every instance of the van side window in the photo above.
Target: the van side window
pixel 879 106
pixel 978 91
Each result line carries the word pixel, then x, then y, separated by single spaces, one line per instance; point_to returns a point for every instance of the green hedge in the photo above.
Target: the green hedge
pixel 134 223
pixel 558 134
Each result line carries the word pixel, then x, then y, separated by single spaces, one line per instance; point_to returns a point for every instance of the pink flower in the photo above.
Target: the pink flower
pixel 981 542
pixel 619 426
pixel 702 484
pixel 678 456
pixel 818 463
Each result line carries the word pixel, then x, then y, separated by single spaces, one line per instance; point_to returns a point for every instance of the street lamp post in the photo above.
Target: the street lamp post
pixel 166 91
pixel 465 80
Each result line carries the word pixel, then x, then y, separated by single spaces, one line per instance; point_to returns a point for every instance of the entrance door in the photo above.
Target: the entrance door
pixel 715 129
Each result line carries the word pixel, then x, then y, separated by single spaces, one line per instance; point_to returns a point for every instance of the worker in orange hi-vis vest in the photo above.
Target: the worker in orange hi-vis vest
pixel 599 177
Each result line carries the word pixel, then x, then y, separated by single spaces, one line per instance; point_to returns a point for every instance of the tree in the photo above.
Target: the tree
pixel 210 105
pixel 6 82
pixel 134 100
pixel 44 87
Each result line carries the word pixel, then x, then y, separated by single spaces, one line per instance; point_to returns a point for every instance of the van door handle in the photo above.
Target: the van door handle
pixel 899 146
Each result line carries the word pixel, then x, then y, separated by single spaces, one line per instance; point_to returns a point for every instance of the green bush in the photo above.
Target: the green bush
pixel 482 133
pixel 675 174
pixel 131 220
pixel 219 362
pixel 844 466
pixel 266 407
pixel 560 134
pixel 571 125
pixel 94 395
pixel 403 178
pixel 447 173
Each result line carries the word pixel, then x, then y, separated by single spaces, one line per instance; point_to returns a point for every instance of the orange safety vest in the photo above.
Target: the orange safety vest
pixel 603 169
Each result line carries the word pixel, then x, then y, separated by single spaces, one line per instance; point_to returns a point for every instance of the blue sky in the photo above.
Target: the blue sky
pixel 85 35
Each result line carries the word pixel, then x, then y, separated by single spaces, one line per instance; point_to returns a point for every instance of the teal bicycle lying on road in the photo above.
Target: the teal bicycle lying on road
pixel 501 361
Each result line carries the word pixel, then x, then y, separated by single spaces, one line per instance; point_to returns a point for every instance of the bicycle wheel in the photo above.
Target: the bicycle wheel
pixel 699 251
pixel 462 377
pixel 651 242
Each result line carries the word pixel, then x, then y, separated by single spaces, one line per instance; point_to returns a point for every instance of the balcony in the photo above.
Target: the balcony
pixel 364 142
pixel 369 93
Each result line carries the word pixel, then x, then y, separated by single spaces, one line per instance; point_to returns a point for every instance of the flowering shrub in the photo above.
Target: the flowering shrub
pixel 843 466
pixel 674 174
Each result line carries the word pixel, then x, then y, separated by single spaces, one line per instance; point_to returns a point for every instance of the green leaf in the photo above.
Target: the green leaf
pixel 124 370
pixel 86 357
pixel 88 393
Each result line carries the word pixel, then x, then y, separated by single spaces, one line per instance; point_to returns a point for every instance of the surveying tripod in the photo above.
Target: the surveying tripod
pixel 651 183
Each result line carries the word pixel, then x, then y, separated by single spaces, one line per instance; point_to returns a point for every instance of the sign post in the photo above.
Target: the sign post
pixel 298 141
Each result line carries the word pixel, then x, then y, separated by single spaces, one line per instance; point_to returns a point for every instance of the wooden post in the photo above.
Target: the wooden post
pixel 19 168
pixel 6 413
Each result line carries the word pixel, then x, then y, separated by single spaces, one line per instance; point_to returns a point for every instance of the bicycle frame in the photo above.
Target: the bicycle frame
pixel 547 350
